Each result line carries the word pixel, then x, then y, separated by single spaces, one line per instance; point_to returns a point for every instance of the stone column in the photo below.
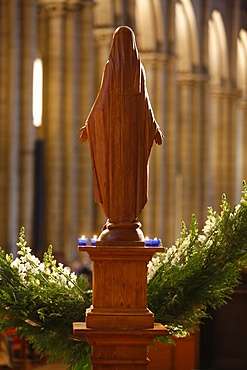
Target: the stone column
pixel 54 121
pixel 191 143
pixel 214 144
pixel 243 107
pixel 222 144
pixel 85 200
pixel 170 156
pixel 71 121
pixel 241 145
pixel 185 131
pixel 160 151
pixel 27 133
pixel 10 122
pixel 4 144
pixel 231 103
pixel 169 101
pixel 79 62
pixel 149 60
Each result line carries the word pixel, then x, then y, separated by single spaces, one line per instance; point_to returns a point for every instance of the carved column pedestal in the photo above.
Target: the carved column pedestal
pixel 119 325
pixel 119 349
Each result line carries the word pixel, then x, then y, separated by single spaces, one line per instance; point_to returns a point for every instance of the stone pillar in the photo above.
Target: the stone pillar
pixel 4 144
pixel 243 110
pixel 185 144
pixel 71 120
pixel 27 130
pixel 214 142
pixel 85 200
pixel 191 143
pixel 160 152
pixel 149 60
pixel 222 144
pixel 54 121
pixel 241 145
pixel 10 122
pixel 171 150
pixel 231 104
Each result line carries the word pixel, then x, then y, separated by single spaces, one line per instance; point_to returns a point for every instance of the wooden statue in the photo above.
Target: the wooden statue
pixel 121 129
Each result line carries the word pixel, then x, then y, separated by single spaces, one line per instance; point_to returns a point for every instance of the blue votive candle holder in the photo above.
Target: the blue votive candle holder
pixel 82 241
pixel 148 242
pixel 155 242
pixel 93 240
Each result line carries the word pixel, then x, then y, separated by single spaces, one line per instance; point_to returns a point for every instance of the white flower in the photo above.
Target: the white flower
pixel 15 263
pixel 35 271
pixel 22 268
pixel 34 260
pixel 41 267
pixel 66 270
pixel 60 266
pixel 209 224
pixel 236 209
pixel 63 279
pixel 152 266
pixel 202 238
pixel 28 266
pixel 55 275
pixel 27 250
pixel 73 276
pixel 22 275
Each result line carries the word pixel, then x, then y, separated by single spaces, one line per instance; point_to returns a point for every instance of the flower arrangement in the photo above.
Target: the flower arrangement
pixel 41 300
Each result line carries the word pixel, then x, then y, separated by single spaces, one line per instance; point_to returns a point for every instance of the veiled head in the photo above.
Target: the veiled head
pixel 125 62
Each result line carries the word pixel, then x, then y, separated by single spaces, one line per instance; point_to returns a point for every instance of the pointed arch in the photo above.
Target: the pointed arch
pixel 186 37
pixel 242 62
pixel 218 50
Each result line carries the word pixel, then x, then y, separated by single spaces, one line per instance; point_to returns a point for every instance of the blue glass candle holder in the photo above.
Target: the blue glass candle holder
pixel 93 240
pixel 82 241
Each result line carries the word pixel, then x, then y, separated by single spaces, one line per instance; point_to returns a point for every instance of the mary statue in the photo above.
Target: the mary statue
pixel 121 129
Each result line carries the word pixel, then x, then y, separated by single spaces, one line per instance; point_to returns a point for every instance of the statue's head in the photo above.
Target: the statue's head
pixel 124 58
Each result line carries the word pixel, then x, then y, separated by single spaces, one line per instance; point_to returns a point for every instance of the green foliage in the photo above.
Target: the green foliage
pixel 43 299
pixel 200 271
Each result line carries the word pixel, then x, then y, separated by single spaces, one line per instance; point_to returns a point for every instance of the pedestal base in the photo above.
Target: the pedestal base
pixel 119 325
pixel 119 349
pixel 119 319
pixel 123 233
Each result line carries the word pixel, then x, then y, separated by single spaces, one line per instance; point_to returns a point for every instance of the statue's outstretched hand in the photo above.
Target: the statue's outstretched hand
pixel 158 137
pixel 83 133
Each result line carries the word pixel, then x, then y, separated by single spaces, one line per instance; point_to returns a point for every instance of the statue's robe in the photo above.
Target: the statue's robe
pixel 121 128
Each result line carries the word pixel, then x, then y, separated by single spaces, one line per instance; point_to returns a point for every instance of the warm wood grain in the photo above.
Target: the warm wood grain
pixel 121 129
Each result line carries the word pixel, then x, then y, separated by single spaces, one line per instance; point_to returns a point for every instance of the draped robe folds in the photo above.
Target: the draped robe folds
pixel 121 129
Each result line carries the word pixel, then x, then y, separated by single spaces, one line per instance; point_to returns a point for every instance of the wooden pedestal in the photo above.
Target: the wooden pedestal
pixel 118 324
